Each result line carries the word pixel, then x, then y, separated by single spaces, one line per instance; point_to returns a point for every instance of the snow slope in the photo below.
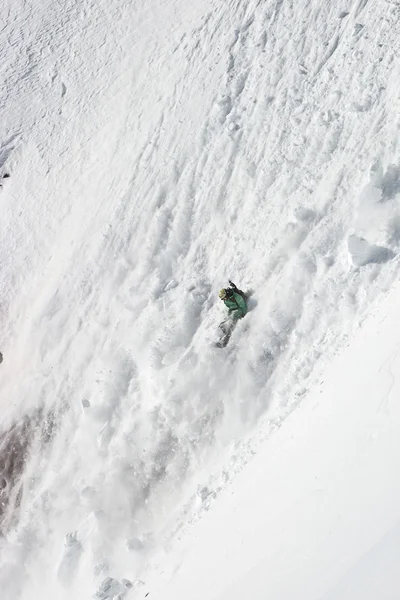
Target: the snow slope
pixel 315 514
pixel 155 152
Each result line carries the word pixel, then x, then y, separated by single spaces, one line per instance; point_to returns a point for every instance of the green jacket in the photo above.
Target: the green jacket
pixel 236 306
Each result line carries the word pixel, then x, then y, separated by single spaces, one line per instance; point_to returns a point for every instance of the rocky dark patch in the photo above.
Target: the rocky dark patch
pixel 15 446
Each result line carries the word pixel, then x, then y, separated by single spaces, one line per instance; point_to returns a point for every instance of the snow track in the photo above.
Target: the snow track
pixel 153 154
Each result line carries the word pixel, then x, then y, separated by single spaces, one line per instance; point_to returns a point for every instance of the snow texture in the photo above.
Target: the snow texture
pixel 153 153
pixel 315 514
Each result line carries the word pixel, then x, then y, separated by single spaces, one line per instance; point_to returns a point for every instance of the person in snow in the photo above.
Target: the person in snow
pixel 236 303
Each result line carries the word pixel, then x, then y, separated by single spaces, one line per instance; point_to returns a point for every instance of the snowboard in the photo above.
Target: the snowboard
pixel 222 342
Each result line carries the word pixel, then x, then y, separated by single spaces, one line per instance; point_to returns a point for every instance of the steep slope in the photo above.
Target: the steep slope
pixel 315 514
pixel 153 153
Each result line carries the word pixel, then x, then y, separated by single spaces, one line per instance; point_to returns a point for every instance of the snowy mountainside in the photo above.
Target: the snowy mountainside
pixel 153 154
pixel 315 513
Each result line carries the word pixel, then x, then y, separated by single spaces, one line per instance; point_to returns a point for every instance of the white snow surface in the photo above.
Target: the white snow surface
pixel 316 513
pixel 156 150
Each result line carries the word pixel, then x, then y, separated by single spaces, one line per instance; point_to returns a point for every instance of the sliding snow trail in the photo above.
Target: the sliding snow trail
pixel 153 154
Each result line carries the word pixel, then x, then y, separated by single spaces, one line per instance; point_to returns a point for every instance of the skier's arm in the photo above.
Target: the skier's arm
pixel 242 304
pixel 240 310
pixel 234 312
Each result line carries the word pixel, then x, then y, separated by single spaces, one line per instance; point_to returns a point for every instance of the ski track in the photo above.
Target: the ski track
pixel 270 156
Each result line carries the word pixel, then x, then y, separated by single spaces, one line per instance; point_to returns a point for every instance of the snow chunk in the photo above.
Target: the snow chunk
pixel 305 215
pixel 111 588
pixel 362 253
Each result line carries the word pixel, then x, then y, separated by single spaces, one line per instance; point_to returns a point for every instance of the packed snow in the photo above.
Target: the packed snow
pixel 148 155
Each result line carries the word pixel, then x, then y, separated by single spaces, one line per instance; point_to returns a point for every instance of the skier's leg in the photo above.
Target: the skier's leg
pixel 225 326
